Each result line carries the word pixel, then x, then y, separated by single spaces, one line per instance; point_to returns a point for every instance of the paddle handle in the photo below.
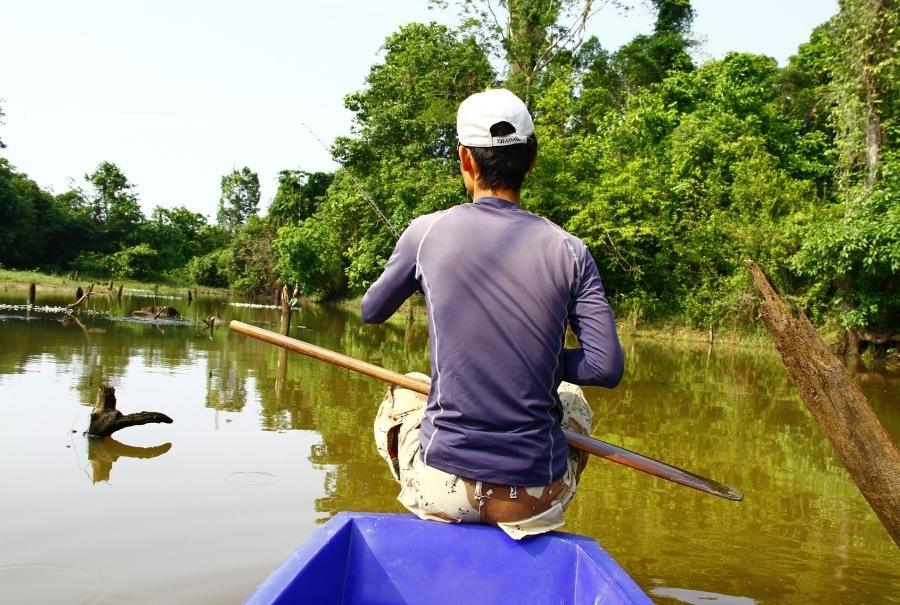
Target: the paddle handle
pixel 576 440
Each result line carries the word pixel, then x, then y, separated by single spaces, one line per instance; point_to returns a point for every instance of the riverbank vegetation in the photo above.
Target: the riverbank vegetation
pixel 672 172
pixel 15 280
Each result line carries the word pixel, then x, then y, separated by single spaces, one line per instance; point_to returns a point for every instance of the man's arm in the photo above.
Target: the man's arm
pixel 600 360
pixel 397 282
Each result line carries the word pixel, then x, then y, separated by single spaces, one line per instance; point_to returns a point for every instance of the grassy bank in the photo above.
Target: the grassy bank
pixel 21 280
pixel 750 335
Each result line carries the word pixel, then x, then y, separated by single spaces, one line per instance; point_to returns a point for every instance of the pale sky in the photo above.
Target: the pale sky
pixel 179 93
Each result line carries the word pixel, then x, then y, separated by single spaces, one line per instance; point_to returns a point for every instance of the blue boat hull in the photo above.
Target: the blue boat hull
pixel 362 558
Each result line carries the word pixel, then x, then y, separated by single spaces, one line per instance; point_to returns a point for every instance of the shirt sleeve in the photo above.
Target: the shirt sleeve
pixel 397 282
pixel 599 360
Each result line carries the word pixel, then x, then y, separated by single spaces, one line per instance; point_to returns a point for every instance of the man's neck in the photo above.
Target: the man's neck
pixel 509 195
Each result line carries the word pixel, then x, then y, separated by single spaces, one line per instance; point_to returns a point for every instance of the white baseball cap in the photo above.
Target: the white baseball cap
pixel 478 113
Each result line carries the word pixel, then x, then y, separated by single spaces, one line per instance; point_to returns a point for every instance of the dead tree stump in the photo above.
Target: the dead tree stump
pixel 82 298
pixel 860 441
pixel 106 419
pixel 285 311
pixel 32 291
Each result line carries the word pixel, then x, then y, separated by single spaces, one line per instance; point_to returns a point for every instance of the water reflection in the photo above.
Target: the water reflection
pixel 802 535
pixel 104 452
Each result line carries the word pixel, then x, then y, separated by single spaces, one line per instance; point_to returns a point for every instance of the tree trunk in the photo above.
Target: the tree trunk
pixel 106 419
pixel 285 311
pixel 838 405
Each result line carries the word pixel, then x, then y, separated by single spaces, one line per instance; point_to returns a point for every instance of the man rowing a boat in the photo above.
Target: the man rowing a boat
pixel 501 285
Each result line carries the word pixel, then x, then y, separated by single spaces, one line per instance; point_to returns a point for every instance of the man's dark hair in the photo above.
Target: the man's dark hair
pixel 504 167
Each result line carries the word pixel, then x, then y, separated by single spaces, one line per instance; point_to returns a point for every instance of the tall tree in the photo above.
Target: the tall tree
pixel 852 246
pixel 529 35
pixel 115 204
pixel 650 59
pixel 239 199
pixel 866 83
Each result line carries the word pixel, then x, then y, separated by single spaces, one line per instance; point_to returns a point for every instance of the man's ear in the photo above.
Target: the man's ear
pixel 533 162
pixel 466 162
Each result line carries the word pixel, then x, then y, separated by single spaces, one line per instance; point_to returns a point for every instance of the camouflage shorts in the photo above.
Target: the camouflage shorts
pixel 431 493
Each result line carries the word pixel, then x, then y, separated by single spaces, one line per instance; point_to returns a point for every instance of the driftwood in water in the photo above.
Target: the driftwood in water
pixel 155 312
pixel 32 290
pixel 106 419
pixel 84 296
pixel 119 293
pixel 838 405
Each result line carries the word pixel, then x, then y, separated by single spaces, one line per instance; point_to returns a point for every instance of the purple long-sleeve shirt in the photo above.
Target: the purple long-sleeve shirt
pixel 500 284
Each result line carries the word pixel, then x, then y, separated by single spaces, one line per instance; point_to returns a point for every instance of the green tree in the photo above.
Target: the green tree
pixel 239 199
pixel 79 231
pixel 698 173
pixel 310 254
pixel 35 230
pixel 298 196
pixel 137 261
pixel 852 252
pixel 17 219
pixel 650 59
pixel 866 87
pixel 115 205
pixel 850 249
pixel 175 234
pixel 250 262
pixel 210 269
pixel 528 36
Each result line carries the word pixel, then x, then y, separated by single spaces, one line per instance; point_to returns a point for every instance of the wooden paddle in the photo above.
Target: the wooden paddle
pixel 576 440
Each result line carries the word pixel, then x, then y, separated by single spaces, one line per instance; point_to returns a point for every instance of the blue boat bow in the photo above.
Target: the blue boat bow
pixel 364 558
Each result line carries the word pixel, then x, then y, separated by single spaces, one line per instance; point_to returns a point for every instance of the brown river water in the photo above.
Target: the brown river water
pixel 264 448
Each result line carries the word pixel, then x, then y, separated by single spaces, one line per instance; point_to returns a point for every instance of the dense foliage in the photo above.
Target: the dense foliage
pixel 672 172
pixel 99 230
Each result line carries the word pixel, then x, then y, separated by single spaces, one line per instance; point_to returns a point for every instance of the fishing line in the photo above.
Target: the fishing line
pixel 355 182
